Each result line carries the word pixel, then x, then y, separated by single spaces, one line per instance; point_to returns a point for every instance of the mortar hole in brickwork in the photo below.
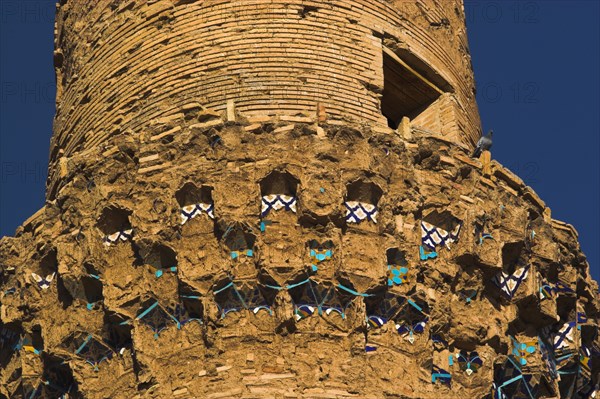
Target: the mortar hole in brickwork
pixel 410 86
pixel 194 201
pixel 86 99
pixel 278 190
pixel 307 11
pixel 145 386
pixel 115 225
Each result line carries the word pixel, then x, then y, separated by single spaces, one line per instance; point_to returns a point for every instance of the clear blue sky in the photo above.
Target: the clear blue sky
pixel 537 70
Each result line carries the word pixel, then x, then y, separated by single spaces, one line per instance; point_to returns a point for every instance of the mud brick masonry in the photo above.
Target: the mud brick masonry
pixel 276 199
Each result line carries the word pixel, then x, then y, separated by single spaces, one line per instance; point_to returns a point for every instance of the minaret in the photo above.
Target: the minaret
pixel 276 199
pixel 133 68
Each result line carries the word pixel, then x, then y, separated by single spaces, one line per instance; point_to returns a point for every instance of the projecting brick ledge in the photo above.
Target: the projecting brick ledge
pixel 161 235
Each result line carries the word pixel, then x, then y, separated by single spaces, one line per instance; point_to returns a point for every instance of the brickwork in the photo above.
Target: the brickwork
pixel 133 64
pixel 222 222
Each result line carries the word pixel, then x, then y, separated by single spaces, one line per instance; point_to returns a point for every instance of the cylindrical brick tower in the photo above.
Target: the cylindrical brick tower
pixel 277 199
pixel 124 67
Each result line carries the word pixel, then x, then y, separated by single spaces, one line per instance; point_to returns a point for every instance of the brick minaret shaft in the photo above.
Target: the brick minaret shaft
pixel 276 199
pixel 127 68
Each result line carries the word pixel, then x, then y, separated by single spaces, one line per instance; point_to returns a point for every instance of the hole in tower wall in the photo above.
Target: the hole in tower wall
pixel 444 220
pixel 410 86
pixel 297 292
pixel 59 378
pixel 193 307
pixel 361 204
pixel 160 257
pixel 511 255
pixel 365 192
pixel 238 240
pixel 64 296
pixel 18 386
pixel 191 300
pixel 344 281
pixel 565 307
pixel 265 280
pixel 91 269
pixel 45 275
pixel 546 388
pixel 279 183
pixel 36 336
pixel 396 257
pixel 92 289
pixel 588 334
pixel 118 330
pixel 191 194
pixel 48 264
pixel 194 201
pixel 114 219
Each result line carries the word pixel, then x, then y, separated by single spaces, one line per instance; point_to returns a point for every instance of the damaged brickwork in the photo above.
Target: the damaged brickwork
pixel 231 246
pixel 275 57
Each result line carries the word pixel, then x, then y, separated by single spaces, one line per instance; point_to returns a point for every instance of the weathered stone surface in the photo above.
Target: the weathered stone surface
pixel 229 215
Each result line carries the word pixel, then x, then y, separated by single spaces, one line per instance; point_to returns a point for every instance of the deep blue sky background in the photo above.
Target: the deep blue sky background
pixel 537 70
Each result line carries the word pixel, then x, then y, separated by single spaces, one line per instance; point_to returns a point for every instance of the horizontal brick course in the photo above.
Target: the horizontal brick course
pixel 135 62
